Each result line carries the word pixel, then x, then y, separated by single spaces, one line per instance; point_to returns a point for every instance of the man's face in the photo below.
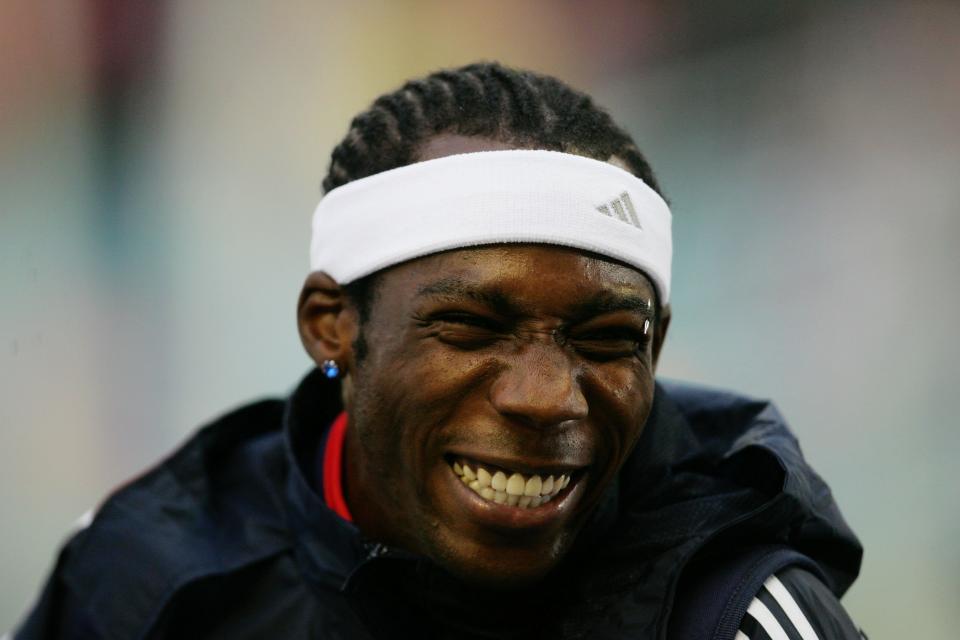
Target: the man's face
pixel 531 360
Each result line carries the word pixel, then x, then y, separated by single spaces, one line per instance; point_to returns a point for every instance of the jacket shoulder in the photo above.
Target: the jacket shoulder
pixel 795 603
pixel 211 507
pixel 747 440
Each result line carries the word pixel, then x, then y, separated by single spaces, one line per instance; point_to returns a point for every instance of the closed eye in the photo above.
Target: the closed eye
pixel 463 330
pixel 468 320
pixel 608 343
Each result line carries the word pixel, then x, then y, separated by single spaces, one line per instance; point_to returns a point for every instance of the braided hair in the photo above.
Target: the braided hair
pixel 485 99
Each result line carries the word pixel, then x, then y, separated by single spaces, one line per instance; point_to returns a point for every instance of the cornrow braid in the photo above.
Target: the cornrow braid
pixel 487 100
pixel 484 99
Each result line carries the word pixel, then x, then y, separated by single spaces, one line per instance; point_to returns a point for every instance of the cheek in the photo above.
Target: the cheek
pixel 443 379
pixel 625 387
pixel 403 400
pixel 620 399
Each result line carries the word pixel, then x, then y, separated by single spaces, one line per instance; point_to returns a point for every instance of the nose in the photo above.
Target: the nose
pixel 539 386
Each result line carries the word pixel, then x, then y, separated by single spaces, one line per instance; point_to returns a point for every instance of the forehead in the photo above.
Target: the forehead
pixel 544 275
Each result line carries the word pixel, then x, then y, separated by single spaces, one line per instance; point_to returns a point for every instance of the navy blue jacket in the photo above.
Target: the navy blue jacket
pixel 227 538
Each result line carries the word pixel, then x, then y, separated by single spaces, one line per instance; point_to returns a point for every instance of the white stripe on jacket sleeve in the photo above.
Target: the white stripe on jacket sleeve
pixel 791 608
pixel 761 614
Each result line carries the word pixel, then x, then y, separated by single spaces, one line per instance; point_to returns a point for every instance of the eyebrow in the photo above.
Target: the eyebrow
pixel 457 288
pixel 597 304
pixel 610 302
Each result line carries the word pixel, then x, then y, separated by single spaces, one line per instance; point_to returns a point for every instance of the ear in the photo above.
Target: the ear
pixel 660 334
pixel 328 324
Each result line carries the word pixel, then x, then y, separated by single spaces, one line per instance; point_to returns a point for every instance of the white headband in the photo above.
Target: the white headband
pixel 492 197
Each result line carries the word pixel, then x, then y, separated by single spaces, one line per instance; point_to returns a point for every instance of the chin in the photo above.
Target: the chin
pixel 513 571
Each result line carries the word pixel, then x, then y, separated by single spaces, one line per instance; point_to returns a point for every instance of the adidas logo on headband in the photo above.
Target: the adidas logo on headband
pixel 622 209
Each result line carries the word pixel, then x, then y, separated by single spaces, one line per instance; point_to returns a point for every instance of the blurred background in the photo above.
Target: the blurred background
pixel 159 163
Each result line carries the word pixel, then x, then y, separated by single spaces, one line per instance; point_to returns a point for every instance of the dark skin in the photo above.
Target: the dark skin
pixel 528 357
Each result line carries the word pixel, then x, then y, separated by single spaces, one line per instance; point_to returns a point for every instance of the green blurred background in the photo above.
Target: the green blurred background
pixel 159 163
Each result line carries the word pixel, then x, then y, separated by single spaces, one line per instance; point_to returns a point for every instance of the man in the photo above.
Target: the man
pixel 483 450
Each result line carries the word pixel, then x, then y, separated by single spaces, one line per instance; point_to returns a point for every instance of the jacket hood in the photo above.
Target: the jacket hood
pixel 747 441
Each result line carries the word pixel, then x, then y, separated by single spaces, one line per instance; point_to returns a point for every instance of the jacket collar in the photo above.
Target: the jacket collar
pixel 328 547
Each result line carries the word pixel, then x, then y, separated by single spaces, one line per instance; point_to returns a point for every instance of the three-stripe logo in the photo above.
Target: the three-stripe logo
pixel 621 208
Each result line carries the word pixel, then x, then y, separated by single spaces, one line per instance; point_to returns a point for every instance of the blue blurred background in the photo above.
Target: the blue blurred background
pixel 159 163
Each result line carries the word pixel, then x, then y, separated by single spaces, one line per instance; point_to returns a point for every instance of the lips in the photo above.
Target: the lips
pixel 511 488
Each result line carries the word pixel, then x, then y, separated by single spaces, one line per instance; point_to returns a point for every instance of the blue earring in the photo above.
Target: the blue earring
pixel 330 369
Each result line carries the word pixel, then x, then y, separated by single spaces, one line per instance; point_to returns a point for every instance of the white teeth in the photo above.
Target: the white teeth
pixel 483 477
pixel 515 491
pixel 547 487
pixel 515 485
pixel 532 488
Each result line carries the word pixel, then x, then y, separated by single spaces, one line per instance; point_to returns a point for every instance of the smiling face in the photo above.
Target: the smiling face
pixel 499 392
pixel 529 366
